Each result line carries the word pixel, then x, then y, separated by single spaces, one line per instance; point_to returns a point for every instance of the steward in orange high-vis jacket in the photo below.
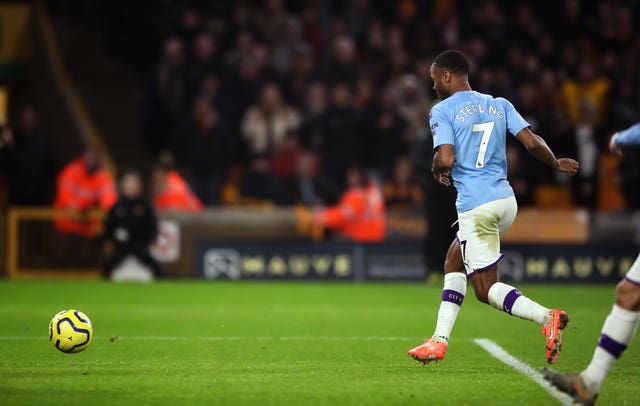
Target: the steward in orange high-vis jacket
pixel 172 193
pixel 360 213
pixel 83 185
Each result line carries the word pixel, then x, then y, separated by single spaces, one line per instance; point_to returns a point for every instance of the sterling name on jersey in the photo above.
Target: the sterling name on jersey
pixel 476 125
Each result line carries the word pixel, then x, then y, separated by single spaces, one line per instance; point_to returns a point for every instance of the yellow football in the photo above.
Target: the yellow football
pixel 70 331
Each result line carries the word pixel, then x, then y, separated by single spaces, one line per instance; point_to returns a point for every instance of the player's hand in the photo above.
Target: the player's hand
pixel 613 147
pixel 568 165
pixel 443 178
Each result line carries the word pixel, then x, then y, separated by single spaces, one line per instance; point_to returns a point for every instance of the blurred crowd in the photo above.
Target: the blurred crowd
pixel 245 94
pixel 274 102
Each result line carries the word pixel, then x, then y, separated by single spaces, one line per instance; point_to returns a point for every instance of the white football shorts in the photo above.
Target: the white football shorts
pixel 479 233
pixel 634 272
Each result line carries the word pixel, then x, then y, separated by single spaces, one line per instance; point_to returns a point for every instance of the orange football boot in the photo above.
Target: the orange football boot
pixel 429 351
pixel 552 331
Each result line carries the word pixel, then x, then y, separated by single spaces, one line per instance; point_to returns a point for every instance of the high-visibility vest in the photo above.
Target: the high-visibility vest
pixel 80 191
pixel 177 196
pixel 359 216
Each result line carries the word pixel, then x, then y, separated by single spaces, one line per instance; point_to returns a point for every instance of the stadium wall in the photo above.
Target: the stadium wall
pixel 281 244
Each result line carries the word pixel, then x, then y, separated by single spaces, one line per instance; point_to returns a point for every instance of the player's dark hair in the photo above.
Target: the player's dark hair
pixel 452 60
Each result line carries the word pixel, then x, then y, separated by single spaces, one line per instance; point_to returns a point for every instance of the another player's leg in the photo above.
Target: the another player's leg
pixel 510 300
pixel 617 332
pixel 455 287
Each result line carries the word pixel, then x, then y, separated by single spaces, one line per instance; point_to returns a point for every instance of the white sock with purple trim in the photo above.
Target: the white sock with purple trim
pixel 455 287
pixel 509 299
pixel 617 332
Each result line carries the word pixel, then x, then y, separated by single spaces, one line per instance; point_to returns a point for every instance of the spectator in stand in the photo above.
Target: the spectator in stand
pixel 402 192
pixel 585 139
pixel 190 25
pixel 240 89
pixel 519 177
pixel 360 214
pixel 243 42
pixel 342 138
pixel 315 106
pixel 204 61
pixel 166 96
pixel 588 85
pixel 390 136
pixel 307 187
pixel 289 42
pixel 266 124
pixel 623 108
pixel 83 185
pixel 364 97
pixel 209 89
pixel 549 111
pixel 411 101
pixel 258 185
pixel 343 66
pixel 283 163
pixel 302 75
pixel 131 226
pixel 170 191
pixel 271 18
pixel 28 161
pixel 206 151
pixel 551 60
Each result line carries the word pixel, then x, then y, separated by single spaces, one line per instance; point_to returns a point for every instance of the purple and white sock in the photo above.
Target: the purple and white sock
pixel 455 287
pixel 617 332
pixel 510 300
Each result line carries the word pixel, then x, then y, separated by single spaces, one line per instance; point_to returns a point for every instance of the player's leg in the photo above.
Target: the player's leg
pixel 481 229
pixel 510 300
pixel 617 332
pixel 490 290
pixel 453 292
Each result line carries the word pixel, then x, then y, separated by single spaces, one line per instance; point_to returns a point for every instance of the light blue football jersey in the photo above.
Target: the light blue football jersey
pixel 476 125
pixel 630 136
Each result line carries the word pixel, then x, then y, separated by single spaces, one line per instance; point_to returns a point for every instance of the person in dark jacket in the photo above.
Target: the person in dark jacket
pixel 132 226
pixel 307 187
pixel 206 150
pixel 343 132
pixel 27 161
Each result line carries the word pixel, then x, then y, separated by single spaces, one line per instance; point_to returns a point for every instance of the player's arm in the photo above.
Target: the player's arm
pixel 539 149
pixel 443 161
pixel 443 144
pixel 630 136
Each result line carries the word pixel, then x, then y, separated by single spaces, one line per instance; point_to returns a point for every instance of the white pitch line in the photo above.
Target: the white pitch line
pixel 522 367
pixel 230 338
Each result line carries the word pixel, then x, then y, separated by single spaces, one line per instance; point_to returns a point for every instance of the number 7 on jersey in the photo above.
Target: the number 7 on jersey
pixel 486 129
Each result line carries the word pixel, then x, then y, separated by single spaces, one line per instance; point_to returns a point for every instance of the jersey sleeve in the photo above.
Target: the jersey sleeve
pixel 441 128
pixel 630 136
pixel 515 122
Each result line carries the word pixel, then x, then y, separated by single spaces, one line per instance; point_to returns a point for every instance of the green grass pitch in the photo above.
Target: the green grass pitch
pixel 177 343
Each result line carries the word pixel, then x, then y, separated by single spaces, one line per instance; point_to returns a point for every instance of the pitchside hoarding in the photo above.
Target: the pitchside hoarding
pixel 337 261
pixel 567 263
pixel 593 263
